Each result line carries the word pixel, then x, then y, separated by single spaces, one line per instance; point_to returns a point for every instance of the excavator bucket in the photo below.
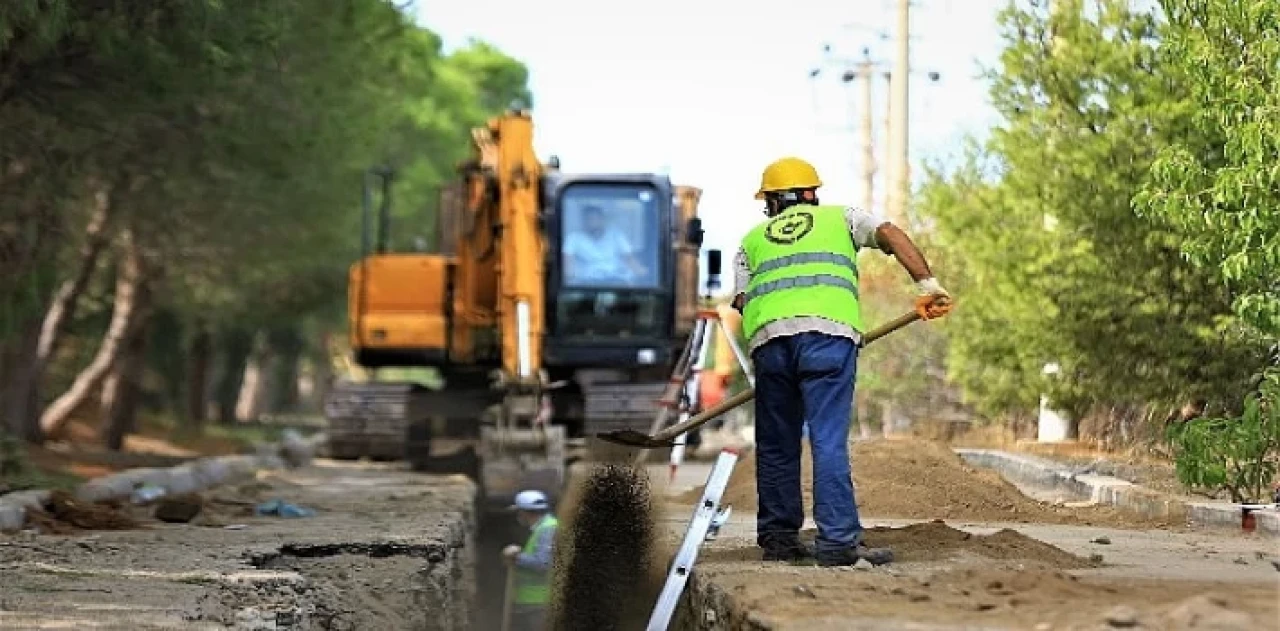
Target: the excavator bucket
pixel 515 460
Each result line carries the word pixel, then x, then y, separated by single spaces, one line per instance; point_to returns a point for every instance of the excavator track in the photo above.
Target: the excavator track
pixel 615 406
pixel 444 432
pixel 610 407
pixel 372 420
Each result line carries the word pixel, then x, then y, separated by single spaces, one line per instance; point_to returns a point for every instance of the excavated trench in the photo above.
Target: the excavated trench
pixel 423 581
pixel 376 587
pixel 448 575
pixel 705 606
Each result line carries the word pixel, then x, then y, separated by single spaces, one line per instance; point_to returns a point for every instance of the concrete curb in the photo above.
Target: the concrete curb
pixel 292 451
pixel 1104 489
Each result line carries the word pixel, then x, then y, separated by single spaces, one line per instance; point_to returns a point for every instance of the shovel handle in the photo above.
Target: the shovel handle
pixel 750 393
pixel 889 327
pixel 508 597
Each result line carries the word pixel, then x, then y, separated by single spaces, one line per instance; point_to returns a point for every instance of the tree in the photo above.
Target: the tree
pixel 1226 197
pixel 1055 266
pixel 207 155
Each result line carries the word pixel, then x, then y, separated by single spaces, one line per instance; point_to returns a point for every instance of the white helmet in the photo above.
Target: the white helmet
pixel 530 501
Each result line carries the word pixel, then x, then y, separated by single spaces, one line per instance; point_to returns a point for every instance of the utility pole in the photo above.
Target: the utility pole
pixel 895 164
pixel 888 147
pixel 899 187
pixel 865 74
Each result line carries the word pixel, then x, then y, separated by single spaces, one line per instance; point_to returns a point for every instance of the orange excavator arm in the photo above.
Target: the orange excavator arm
pixel 500 262
pixel 521 250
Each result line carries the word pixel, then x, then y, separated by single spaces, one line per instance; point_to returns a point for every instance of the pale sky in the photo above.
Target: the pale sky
pixel 711 94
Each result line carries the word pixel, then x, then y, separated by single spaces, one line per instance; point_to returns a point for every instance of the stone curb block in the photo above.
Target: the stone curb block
pixel 1228 516
pixel 13 507
pixel 293 451
pixel 12 516
pixel 1112 491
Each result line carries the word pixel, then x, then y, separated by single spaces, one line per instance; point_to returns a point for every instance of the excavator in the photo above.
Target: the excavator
pixel 553 307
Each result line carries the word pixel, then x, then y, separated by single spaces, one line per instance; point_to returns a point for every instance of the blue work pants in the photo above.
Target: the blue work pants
pixel 805 379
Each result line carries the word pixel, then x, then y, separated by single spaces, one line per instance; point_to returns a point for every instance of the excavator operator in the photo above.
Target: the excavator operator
pixel 599 253
pixel 796 284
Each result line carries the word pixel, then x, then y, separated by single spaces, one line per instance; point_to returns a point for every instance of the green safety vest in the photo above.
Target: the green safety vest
pixel 803 262
pixel 534 588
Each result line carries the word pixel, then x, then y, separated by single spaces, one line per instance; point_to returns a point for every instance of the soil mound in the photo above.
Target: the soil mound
pixel 64 514
pixel 936 541
pixel 916 479
pixel 605 553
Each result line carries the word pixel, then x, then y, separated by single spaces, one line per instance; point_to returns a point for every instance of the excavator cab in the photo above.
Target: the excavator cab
pixel 610 292
pixel 621 293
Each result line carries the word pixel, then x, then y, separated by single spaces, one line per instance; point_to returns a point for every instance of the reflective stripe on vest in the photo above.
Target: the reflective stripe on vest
pixel 806 257
pixel 804 281
pixel 534 588
pixel 802 263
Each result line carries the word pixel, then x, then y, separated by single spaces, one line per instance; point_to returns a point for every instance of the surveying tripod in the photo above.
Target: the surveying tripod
pixel 681 397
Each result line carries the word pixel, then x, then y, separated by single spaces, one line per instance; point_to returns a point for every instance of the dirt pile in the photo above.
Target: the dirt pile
pixel 936 541
pixel 605 553
pixel 179 509
pixel 64 514
pixel 1003 598
pixel 918 479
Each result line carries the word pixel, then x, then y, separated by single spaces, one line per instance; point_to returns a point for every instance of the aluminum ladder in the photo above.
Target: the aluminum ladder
pixel 707 511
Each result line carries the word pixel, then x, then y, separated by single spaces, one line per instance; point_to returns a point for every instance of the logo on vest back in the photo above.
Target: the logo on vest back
pixel 789 228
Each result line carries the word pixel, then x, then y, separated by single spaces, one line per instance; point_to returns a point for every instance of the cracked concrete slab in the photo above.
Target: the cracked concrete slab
pixel 386 549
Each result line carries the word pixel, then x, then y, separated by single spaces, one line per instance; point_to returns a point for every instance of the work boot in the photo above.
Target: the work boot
pixel 782 548
pixel 851 554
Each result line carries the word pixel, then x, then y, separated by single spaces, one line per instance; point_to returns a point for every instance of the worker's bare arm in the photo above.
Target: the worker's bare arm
pixel 896 242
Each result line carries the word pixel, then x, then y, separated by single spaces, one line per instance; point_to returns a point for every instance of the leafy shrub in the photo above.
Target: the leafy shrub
pixel 1239 455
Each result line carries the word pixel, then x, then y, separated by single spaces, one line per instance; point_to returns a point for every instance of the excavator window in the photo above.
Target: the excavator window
pixel 610 236
pixel 611 262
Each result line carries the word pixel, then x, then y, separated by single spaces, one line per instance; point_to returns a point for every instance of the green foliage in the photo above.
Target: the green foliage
pixel 906 366
pixel 18 474
pixel 230 139
pixel 1227 197
pixel 12 461
pixel 1049 261
pixel 1239 455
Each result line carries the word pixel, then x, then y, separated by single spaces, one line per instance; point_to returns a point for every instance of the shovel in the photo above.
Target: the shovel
pixel 666 437
pixel 508 597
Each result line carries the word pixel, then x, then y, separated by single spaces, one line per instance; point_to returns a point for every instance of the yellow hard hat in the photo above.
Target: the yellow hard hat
pixel 786 174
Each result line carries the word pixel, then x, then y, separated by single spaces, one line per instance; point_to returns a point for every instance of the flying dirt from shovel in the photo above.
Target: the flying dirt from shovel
pixel 607 577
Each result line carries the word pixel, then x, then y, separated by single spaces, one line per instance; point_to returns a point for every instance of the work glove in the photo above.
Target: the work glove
pixel 510 553
pixel 934 301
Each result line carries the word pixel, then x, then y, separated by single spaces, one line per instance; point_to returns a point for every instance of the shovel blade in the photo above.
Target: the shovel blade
pixel 632 438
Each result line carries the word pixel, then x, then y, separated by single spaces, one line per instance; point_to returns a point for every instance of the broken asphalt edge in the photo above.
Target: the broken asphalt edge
pixel 292 451
pixel 1103 489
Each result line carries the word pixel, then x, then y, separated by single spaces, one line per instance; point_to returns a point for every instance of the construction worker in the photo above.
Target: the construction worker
pixel 532 562
pixel 796 284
